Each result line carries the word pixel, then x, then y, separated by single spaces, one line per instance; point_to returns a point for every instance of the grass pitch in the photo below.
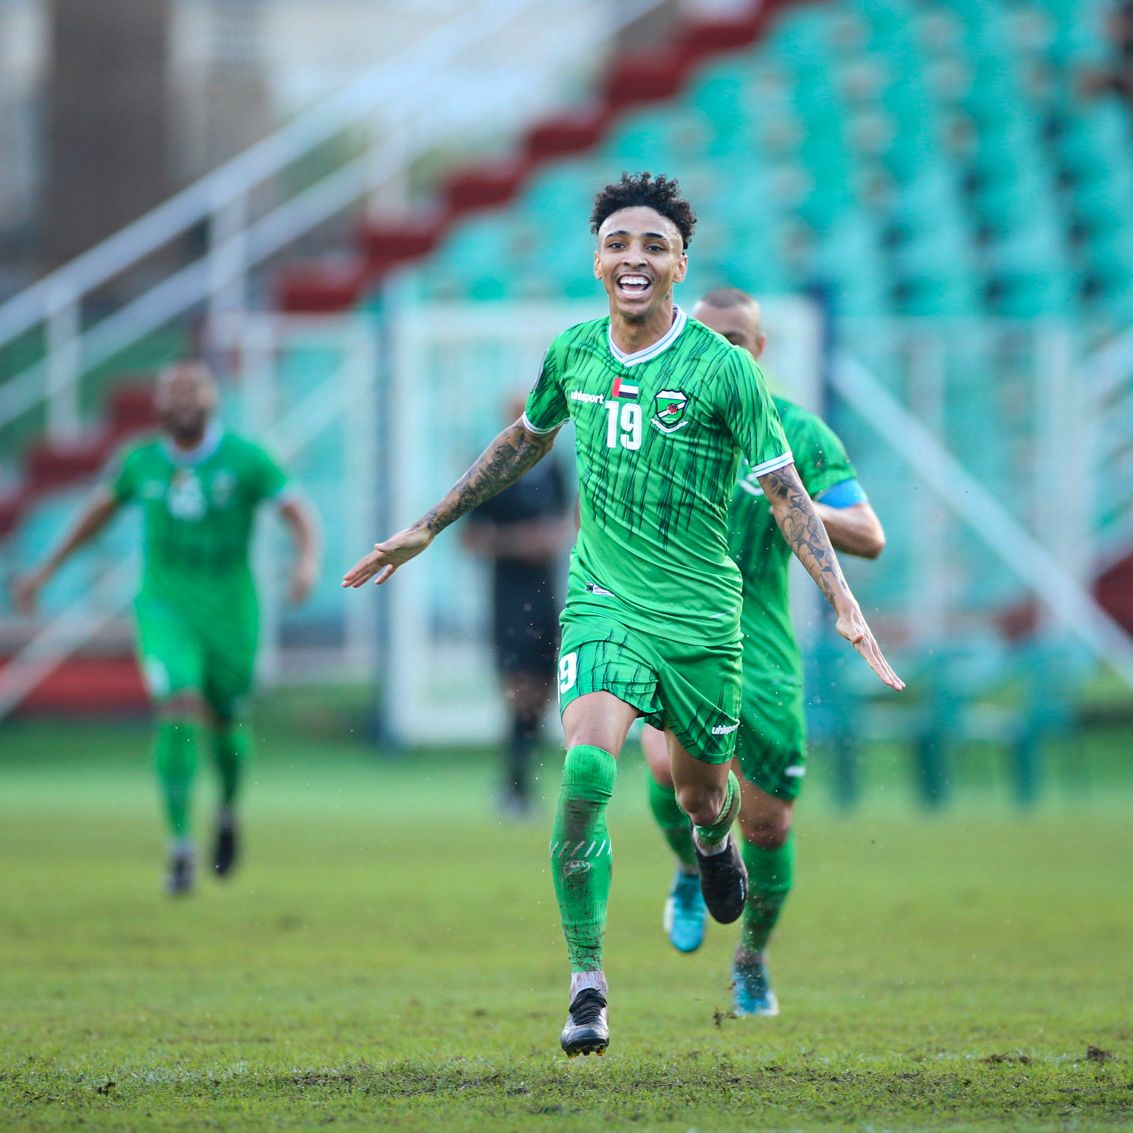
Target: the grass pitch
pixel 389 956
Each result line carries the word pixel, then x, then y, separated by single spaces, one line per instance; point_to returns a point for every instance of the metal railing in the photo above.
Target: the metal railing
pixel 1108 391
pixel 954 486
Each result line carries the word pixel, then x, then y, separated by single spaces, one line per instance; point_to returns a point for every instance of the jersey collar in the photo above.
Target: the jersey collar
pixel 208 444
pixel 650 352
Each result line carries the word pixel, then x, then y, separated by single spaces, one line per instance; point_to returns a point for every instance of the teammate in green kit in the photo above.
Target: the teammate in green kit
pixel 197 615
pixel 770 744
pixel 662 409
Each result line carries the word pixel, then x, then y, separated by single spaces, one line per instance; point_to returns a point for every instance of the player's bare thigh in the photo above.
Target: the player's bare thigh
pixel 598 719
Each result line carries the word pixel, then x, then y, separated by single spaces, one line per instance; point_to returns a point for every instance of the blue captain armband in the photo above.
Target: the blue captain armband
pixel 846 494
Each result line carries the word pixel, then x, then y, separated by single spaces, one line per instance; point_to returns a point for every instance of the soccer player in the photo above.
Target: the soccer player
pixel 770 744
pixel 523 532
pixel 197 614
pixel 662 409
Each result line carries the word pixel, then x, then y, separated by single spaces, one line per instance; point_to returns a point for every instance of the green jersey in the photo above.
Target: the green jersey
pixel 658 438
pixel 197 517
pixel 762 553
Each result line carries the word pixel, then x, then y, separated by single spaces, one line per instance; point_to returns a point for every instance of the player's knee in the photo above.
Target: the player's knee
pixel 219 720
pixel 184 705
pixel 701 803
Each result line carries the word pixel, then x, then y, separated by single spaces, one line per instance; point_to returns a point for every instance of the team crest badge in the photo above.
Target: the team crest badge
pixel 670 408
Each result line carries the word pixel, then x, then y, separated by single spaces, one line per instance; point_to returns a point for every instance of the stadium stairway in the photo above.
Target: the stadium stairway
pixel 337 282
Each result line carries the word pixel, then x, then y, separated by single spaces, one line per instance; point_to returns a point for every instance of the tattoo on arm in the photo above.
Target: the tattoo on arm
pixel 514 452
pixel 803 530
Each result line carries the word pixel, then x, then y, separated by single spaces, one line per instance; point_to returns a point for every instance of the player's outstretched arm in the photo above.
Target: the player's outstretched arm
pixel 96 513
pixel 515 451
pixel 801 527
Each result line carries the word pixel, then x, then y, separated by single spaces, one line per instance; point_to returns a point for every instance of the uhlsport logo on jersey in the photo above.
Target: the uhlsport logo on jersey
pixel 670 407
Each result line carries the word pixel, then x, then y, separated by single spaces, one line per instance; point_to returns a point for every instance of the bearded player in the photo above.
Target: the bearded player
pixel 771 742
pixel 198 487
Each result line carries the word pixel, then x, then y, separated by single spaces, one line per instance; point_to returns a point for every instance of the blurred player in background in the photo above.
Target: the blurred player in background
pixel 771 742
pixel 662 410
pixel 524 531
pixel 197 613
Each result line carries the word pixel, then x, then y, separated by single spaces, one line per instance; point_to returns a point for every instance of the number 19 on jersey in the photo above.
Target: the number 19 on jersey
pixel 623 424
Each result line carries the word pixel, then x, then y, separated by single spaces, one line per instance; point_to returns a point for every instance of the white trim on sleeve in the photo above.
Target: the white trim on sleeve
pixel 542 432
pixel 773 464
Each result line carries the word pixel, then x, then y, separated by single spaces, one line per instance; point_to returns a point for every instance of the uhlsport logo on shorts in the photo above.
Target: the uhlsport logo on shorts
pixel 670 405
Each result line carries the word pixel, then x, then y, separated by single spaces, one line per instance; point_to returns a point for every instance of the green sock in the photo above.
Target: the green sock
pixel 230 753
pixel 770 874
pixel 175 758
pixel 718 830
pixel 672 820
pixel 581 855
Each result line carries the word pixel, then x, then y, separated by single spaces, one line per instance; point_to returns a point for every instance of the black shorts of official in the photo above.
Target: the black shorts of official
pixel 526 625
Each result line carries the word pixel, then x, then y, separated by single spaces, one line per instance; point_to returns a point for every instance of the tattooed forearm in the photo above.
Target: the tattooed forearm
pixel 803 530
pixel 504 461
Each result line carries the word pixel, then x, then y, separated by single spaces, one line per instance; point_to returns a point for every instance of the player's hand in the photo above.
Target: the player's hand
pixel 386 557
pixel 852 626
pixel 303 580
pixel 25 591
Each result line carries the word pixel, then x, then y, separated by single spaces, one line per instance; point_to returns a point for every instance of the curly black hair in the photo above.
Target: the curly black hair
pixel 660 193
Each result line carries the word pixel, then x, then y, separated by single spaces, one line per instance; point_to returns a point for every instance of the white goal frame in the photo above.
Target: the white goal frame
pixel 452 367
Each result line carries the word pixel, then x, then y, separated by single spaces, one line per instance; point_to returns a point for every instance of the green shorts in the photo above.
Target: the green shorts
pixel 771 743
pixel 178 654
pixel 692 690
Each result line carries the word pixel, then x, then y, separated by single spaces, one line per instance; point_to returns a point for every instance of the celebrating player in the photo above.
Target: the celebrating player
pixel 771 742
pixel 197 614
pixel 662 409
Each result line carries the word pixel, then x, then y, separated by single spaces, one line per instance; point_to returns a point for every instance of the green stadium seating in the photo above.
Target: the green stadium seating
pixel 782 144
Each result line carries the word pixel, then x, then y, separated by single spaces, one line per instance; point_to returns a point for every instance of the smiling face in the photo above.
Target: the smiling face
pixel 640 256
